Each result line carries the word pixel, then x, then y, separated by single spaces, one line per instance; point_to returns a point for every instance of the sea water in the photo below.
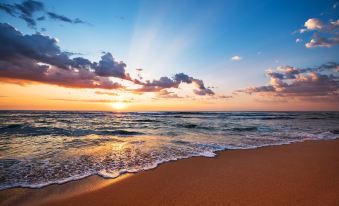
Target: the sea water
pixel 38 148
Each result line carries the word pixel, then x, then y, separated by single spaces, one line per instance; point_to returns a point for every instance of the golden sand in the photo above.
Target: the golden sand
pixel 297 174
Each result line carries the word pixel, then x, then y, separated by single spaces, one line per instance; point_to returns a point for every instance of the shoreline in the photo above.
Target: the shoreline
pixel 98 189
pixel 216 153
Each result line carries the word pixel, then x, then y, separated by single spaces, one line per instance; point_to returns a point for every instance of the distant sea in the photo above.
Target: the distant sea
pixel 38 148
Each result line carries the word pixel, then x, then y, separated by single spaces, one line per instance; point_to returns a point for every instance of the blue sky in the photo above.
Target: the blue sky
pixel 194 37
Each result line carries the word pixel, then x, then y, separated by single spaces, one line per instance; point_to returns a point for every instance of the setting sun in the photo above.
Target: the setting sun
pixel 118 105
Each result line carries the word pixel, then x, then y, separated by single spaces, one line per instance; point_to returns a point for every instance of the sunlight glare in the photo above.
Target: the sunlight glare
pixel 118 105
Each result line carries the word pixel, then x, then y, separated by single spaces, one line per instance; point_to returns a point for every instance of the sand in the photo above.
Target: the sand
pixel 297 174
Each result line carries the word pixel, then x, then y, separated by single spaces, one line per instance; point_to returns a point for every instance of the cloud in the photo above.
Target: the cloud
pixel 331 29
pixel 38 58
pixel 93 100
pixel 318 41
pixel 236 58
pixel 319 82
pixel 164 94
pixel 298 40
pixel 38 47
pixel 24 11
pixel 108 67
pixel 225 97
pixel 314 24
pixel 59 17
pixel 174 82
pixel 107 93
pixel 28 9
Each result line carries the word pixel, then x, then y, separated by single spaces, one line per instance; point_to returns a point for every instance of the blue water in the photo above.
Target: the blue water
pixel 40 148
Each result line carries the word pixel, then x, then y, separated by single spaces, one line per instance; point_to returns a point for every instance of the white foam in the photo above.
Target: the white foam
pixel 195 149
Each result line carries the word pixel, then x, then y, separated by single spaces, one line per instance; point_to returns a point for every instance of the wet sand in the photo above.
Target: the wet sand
pixel 297 174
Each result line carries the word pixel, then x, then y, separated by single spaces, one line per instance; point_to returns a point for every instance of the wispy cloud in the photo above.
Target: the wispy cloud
pixel 225 96
pixel 164 94
pixel 107 93
pixel 29 9
pixel 59 17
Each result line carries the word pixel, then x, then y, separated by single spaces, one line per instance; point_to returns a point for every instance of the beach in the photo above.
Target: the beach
pixel 169 103
pixel 304 173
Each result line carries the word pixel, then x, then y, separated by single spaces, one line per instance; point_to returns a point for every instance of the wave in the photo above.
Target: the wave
pixel 12 126
pixel 188 125
pixel 206 150
pixel 196 126
pixel 118 132
pixel 276 118
pixel 145 120
pixel 243 129
pixel 28 130
pixel 73 145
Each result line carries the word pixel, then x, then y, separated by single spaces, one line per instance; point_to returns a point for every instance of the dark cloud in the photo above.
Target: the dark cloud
pixel 29 8
pixel 166 83
pixel 319 82
pixel 38 58
pixel 38 47
pixel 201 89
pixel 108 67
pixel 9 9
pixel 59 17
pixel 139 73
pixel 41 18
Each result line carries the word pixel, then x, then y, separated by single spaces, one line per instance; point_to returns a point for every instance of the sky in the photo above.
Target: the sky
pixel 169 55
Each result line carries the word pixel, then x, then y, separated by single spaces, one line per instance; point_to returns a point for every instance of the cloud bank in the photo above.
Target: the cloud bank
pixel 38 58
pixel 321 82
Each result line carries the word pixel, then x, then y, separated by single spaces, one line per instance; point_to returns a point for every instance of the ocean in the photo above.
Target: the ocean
pixel 38 148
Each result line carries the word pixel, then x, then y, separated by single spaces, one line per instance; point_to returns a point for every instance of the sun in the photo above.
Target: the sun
pixel 119 105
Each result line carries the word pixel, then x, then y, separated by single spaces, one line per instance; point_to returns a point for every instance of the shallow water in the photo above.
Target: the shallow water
pixel 40 148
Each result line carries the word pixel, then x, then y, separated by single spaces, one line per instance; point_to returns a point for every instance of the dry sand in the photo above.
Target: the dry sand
pixel 297 174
